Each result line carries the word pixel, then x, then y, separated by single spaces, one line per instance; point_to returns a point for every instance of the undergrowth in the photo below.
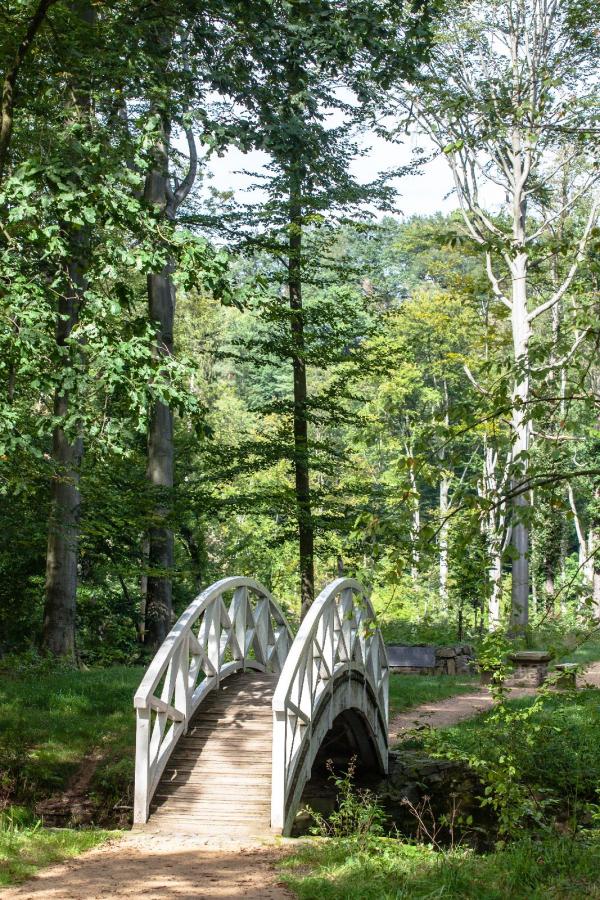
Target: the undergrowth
pixel 386 869
pixel 25 846
pixel 52 717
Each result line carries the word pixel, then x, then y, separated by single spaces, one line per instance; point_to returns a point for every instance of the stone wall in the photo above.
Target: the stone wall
pixel 457 659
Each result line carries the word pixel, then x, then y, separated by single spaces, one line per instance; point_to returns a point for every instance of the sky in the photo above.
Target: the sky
pixel 418 194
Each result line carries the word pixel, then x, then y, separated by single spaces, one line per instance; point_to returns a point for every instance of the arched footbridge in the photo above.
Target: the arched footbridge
pixel 234 708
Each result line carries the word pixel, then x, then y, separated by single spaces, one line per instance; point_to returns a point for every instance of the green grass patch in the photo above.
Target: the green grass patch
pixel 25 850
pixel 407 691
pixel 390 870
pixel 50 719
pixel 586 653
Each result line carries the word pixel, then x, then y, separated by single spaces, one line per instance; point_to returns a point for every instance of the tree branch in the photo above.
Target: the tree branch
pixel 10 80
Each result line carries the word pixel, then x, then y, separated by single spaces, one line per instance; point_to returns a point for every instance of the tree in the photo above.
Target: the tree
pixel 34 23
pixel 507 97
pixel 165 197
pixel 294 58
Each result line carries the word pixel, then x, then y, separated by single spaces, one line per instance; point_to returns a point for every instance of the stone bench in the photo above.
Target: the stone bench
pixel 531 668
pixel 566 675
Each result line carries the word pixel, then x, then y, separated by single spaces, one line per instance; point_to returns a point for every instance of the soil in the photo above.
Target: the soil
pixel 146 866
pixel 72 806
pixel 444 713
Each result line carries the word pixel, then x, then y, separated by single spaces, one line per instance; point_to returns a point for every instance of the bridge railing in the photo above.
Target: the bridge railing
pixel 337 646
pixel 211 640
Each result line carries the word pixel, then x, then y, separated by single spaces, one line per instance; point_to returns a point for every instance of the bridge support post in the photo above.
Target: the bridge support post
pixel 278 772
pixel 142 767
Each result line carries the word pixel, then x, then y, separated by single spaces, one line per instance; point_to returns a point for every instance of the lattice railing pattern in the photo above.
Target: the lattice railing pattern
pixel 210 641
pixel 338 637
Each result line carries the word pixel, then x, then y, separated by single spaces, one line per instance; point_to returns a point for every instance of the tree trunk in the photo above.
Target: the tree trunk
pixel 495 586
pixel 159 601
pixel 160 469
pixel 443 513
pixel 549 585
pixel 443 541
pixel 585 551
pixel 58 631
pixel 596 579
pixel 58 635
pixel 10 80
pixel 141 623
pixel 416 519
pixel 301 449
pixel 595 556
pixel 521 430
pixel 494 526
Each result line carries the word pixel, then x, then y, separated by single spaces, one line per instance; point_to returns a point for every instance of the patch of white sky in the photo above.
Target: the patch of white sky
pixel 418 194
pixel 425 192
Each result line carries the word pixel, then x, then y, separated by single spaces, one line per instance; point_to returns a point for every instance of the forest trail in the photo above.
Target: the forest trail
pixel 151 866
pixel 444 713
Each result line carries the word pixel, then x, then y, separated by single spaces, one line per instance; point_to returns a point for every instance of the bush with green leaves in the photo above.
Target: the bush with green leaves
pixel 539 759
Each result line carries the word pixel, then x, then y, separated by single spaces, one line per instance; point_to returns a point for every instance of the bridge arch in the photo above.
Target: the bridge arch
pixel 337 663
pixel 213 639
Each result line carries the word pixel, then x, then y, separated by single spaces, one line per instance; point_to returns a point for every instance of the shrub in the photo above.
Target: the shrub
pixel 358 815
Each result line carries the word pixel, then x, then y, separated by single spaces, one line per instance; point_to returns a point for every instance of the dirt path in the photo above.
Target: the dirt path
pixel 143 866
pixel 456 709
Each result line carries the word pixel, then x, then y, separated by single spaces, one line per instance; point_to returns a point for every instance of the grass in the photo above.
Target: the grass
pixel 586 653
pixel 390 870
pixel 25 849
pixel 50 719
pixel 556 752
pixel 407 691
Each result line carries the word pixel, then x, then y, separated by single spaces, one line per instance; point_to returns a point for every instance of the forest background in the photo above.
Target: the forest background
pixel 304 383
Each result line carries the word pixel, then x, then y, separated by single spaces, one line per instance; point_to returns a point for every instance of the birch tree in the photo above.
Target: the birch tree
pixel 510 98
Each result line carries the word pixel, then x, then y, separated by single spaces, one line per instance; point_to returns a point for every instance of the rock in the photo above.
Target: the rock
pixel 445 652
pixel 462 665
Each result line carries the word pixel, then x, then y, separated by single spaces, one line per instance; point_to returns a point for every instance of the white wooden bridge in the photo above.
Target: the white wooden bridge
pixel 233 708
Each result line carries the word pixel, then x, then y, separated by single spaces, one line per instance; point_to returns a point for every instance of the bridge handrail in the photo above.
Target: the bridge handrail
pixel 324 648
pixel 253 636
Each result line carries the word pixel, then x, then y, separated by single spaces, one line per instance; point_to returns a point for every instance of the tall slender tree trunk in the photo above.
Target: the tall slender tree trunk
pixel 58 631
pixel 494 529
pixel 521 330
pixel 443 540
pixel 58 634
pixel 596 571
pixel 444 506
pixel 301 446
pixel 495 586
pixel 416 518
pixel 10 79
pixel 160 468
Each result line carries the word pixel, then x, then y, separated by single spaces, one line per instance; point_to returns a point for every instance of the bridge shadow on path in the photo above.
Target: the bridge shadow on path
pixel 133 868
